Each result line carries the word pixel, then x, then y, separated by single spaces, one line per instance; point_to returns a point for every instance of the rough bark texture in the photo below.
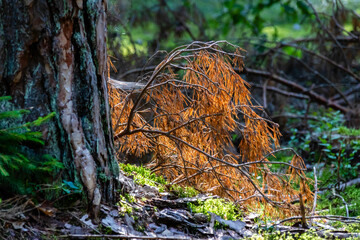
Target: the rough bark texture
pixel 53 59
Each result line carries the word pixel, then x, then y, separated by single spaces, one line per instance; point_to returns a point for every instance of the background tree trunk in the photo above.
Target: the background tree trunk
pixel 53 59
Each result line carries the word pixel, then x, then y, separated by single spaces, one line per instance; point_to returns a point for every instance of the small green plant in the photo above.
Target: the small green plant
pixel 129 198
pixel 343 161
pixel 327 124
pixel 105 230
pixel 225 209
pixel 70 187
pixel 140 228
pixel 324 143
pixel 125 207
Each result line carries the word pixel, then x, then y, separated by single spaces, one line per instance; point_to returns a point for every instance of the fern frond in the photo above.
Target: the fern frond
pixel 16 167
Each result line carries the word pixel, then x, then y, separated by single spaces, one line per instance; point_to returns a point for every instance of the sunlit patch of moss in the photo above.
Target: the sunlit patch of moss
pixel 183 192
pixel 353 227
pixel 225 209
pixel 144 176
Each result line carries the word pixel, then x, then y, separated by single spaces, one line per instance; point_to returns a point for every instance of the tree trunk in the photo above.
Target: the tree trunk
pixel 53 59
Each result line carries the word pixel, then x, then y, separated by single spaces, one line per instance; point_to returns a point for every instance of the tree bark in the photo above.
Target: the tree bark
pixel 53 59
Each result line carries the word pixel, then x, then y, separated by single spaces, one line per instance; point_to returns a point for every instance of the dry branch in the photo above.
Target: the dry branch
pixel 185 114
pixel 119 236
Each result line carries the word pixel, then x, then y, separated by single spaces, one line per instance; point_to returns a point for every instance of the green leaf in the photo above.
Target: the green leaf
pixel 3 172
pixel 71 185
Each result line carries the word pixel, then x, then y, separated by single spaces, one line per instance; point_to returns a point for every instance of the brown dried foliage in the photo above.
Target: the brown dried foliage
pixel 184 117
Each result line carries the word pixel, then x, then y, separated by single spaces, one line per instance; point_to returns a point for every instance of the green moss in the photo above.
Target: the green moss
pixel 225 209
pixel 144 176
pixel 353 228
pixel 184 192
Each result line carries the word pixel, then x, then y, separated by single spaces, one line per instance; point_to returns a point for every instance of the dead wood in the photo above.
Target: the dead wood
pixel 87 236
pixel 342 186
pixel 185 120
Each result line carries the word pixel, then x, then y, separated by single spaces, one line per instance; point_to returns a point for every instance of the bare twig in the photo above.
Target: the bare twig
pixel 345 203
pixel 315 193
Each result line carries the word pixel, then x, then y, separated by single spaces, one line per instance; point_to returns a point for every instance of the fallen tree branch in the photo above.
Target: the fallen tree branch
pixel 355 181
pixel 89 236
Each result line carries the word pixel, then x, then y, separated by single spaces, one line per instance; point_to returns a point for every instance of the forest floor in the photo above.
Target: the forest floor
pixel 150 210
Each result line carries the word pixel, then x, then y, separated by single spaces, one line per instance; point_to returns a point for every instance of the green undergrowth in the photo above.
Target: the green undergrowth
pixel 349 131
pixel 268 235
pixel 225 209
pixel 221 207
pixel 353 228
pixel 276 235
pixel 329 204
pixel 124 205
pixel 144 176
pixel 349 227
pixel 183 192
